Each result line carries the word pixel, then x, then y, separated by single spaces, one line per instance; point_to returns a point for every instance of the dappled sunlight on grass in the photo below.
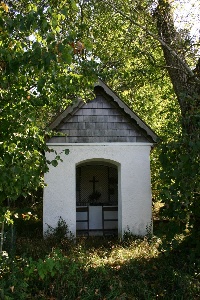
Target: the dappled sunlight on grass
pixel 118 254
pixel 137 269
pixel 102 268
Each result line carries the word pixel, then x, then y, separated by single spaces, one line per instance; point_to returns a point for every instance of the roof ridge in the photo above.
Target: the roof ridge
pixel 108 91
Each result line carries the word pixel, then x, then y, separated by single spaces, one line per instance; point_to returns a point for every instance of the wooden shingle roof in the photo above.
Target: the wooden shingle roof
pixel 105 119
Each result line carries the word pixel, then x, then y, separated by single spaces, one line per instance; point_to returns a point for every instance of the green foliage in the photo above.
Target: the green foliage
pixel 127 44
pixel 39 75
pixel 59 237
pixel 5 219
pixel 98 268
pixel 42 71
pixel 179 184
pixel 132 64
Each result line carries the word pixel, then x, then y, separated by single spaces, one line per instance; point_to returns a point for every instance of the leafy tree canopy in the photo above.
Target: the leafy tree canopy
pixel 42 66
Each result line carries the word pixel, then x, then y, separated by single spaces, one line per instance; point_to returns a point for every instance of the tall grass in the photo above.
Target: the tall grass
pixel 101 268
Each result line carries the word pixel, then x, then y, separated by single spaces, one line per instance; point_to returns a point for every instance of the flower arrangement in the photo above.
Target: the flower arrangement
pixel 95 196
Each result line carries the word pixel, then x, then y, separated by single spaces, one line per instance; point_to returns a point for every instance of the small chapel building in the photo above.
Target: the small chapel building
pixel 103 185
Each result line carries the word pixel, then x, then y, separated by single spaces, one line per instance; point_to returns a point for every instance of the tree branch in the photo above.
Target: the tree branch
pixel 189 72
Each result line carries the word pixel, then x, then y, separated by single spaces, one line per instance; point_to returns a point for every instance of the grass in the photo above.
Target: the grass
pixel 102 268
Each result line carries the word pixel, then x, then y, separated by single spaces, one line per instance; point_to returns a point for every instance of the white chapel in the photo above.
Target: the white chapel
pixel 103 185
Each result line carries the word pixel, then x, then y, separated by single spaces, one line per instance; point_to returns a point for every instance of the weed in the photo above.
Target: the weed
pixel 59 237
pixel 129 237
pixel 98 268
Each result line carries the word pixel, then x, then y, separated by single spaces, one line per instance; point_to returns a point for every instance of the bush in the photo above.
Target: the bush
pixel 59 237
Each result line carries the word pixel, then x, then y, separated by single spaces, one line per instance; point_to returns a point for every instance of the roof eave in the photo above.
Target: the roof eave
pixel 127 110
pixel 68 111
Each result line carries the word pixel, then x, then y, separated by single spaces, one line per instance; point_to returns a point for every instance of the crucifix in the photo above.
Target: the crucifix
pixel 94 181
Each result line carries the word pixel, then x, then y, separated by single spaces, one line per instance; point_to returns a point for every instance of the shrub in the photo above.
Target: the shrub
pixel 59 237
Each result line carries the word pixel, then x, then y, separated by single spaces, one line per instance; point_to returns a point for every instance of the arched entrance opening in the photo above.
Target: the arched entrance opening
pixel 96 198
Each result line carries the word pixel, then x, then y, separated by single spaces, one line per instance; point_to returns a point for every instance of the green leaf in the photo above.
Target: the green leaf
pixel 67 56
pixel 40 84
pixel 73 4
pixel 88 44
pixel 66 151
pixel 65 11
pixel 44 23
pixel 54 163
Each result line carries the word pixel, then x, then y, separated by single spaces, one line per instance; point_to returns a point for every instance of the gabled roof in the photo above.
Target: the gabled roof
pixel 114 104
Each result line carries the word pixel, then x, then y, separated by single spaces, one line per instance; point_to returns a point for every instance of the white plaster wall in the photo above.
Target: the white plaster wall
pixel 134 207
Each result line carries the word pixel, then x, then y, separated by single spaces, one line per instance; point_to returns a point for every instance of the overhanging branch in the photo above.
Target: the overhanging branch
pixel 189 72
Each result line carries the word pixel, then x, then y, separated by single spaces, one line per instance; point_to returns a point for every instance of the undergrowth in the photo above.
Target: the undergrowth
pixel 103 268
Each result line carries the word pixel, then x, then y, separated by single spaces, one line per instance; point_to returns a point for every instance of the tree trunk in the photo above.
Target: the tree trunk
pixel 187 90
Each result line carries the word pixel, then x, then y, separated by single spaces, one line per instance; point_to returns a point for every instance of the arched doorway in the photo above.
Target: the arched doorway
pixel 96 198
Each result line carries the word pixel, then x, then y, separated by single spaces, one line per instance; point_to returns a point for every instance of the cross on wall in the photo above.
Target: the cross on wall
pixel 94 181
